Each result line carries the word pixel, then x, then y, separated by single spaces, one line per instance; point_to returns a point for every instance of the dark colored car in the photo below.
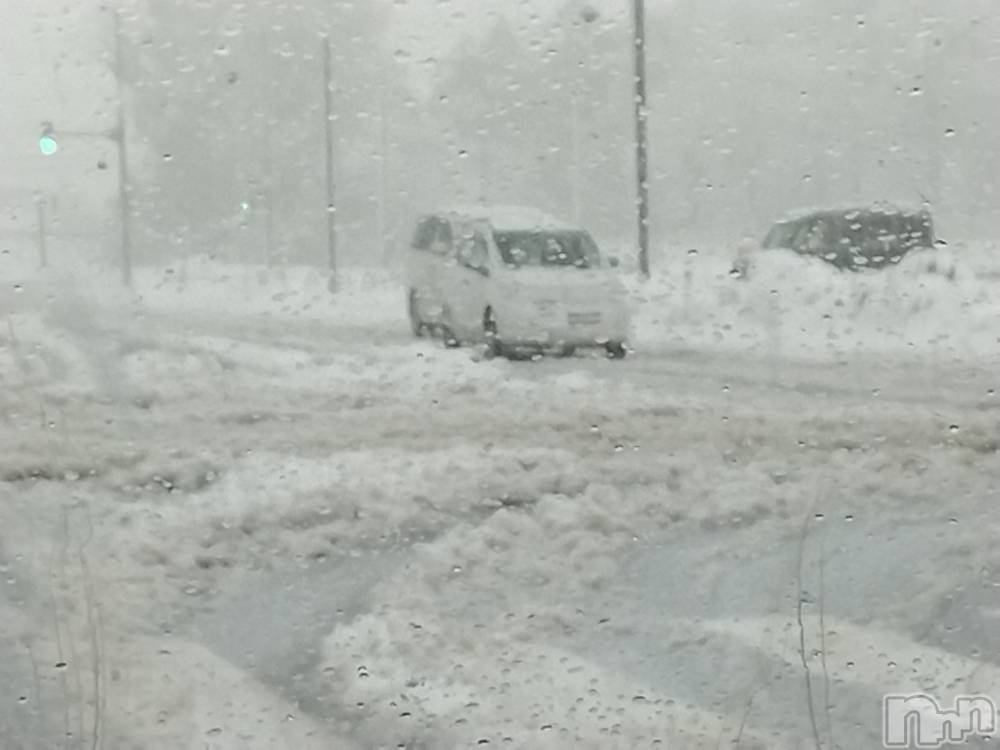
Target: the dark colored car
pixel 851 239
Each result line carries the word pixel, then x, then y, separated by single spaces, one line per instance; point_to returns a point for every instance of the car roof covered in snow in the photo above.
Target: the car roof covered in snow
pixel 884 208
pixel 509 217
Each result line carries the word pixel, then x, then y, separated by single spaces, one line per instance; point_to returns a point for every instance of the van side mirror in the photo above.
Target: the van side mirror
pixel 613 261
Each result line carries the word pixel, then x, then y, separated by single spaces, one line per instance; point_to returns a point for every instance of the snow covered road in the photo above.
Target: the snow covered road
pixel 264 530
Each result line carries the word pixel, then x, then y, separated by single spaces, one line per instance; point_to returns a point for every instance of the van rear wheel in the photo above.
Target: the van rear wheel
pixel 417 325
pixel 451 341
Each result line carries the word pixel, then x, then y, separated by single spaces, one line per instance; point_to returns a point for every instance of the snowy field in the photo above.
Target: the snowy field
pixel 238 512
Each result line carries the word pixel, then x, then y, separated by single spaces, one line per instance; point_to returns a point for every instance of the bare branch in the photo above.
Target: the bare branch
pixel 802 636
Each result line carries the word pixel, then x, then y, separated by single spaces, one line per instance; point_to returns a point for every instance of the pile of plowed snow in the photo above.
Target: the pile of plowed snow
pixel 941 303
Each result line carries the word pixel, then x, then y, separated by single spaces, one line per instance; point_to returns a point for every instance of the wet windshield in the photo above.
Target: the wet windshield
pixel 408 374
pixel 547 248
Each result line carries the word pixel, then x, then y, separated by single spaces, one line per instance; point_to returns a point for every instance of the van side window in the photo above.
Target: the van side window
pixel 442 243
pixel 424 234
pixel 472 251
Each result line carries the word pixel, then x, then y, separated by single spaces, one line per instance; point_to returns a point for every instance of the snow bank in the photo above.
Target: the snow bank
pixel 884 660
pixel 494 630
pixel 473 642
pixel 172 693
pixel 940 303
pixel 363 298
pixel 272 506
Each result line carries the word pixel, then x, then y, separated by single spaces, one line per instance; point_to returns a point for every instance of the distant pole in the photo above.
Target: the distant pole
pixel 123 196
pixel 331 209
pixel 641 142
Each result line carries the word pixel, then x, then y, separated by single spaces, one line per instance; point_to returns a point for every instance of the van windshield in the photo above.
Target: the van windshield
pixel 548 248
pixel 780 236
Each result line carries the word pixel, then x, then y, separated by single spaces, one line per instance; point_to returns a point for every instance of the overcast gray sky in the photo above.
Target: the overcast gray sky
pixel 431 27
pixel 53 58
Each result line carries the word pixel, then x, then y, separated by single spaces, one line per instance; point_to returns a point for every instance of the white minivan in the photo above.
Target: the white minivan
pixel 516 279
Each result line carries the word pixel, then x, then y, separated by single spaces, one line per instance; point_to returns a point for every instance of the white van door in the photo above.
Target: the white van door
pixel 469 282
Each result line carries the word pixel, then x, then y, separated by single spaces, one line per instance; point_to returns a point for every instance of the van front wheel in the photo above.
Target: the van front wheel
pixel 494 347
pixel 447 330
pixel 616 349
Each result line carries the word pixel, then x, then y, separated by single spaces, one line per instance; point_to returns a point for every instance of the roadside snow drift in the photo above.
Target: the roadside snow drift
pixel 938 303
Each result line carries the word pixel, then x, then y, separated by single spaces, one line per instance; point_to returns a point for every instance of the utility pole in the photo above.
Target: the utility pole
pixel 641 142
pixel 331 209
pixel 119 135
pixel 581 53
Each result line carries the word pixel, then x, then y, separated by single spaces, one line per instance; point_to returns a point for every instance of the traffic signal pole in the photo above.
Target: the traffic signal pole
pixel 641 138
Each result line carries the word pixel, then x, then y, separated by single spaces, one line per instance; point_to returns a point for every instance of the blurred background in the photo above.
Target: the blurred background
pixel 222 107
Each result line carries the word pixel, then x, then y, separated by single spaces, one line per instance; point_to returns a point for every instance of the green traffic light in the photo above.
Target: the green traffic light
pixel 47 145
